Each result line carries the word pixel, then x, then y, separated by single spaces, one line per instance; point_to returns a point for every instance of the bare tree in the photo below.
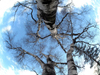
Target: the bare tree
pixel 72 34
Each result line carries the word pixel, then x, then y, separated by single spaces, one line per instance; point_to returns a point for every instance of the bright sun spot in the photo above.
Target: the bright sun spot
pixel 5 5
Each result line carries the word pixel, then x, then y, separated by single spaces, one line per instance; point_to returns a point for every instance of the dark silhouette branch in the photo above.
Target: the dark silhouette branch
pixel 20 4
pixel 65 5
pixel 62 20
pixel 60 45
pixel 88 55
pixel 25 52
pixel 39 26
pixel 85 30
pixel 87 43
pixel 65 34
pixel 35 34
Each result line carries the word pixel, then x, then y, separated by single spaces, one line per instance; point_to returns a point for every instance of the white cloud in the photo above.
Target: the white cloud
pixel 8 28
pixel 98 16
pixel 5 6
pixel 80 3
pixel 59 9
pixel 77 3
pixel 4 71
pixel 26 72
pixel 12 71
pixel 87 70
pixel 0 20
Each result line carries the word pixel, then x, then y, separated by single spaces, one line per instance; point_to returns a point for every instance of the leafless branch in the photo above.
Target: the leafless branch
pixel 34 34
pixel 25 52
pixel 85 30
pixel 39 26
pixel 60 63
pixel 87 43
pixel 88 55
pixel 62 20
pixel 79 66
pixel 65 5
pixel 20 4
pixel 61 45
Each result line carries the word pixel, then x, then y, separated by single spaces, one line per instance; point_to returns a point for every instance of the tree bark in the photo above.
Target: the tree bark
pixel 70 62
pixel 48 69
pixel 47 11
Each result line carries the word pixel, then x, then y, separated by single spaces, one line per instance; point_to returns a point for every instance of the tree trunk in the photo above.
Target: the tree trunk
pixel 47 11
pixel 70 62
pixel 48 69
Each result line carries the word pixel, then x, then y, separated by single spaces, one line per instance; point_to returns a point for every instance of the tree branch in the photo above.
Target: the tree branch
pixel 60 45
pixel 28 8
pixel 36 57
pixel 39 36
pixel 88 55
pixel 65 5
pixel 84 30
pixel 60 63
pixel 39 26
pixel 87 43
pixel 62 20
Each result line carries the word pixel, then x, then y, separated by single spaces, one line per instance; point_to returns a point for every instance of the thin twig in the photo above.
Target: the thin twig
pixel 30 9
pixel 62 20
pixel 60 45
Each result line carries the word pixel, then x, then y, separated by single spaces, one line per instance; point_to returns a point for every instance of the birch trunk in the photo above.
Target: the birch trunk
pixel 70 62
pixel 48 68
pixel 47 11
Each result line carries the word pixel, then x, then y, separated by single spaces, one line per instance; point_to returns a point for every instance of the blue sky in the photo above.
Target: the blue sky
pixel 7 63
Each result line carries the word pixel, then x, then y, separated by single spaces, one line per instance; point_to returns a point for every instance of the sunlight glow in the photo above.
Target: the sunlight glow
pixel 5 6
pixel 87 70
pixel 79 3
pixel 26 72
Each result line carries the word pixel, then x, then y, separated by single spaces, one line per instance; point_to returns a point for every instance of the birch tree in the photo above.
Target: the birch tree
pixel 69 32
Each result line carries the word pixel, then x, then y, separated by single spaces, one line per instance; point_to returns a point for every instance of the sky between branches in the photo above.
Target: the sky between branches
pixel 6 61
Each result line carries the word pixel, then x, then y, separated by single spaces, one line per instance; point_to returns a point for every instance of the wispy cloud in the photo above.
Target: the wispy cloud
pixel 79 3
pixel 5 6
pixel 26 72
pixel 1 49
pixel 8 58
pixel 14 62
pixel 87 70
pixel 12 71
pixel 8 28
pixel 9 71
pixel 0 20
pixel 98 16
pixel 11 19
